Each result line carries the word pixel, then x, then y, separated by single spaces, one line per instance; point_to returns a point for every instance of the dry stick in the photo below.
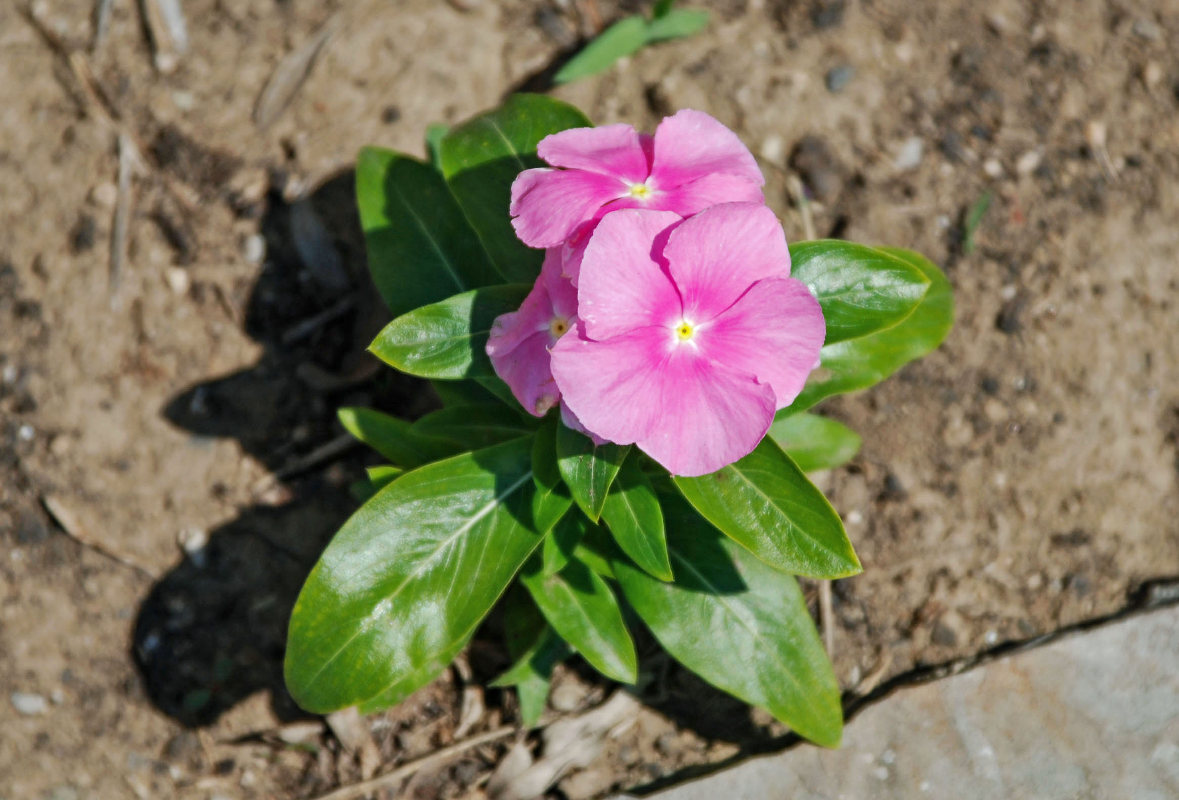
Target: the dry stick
pixel 405 770
pixel 102 20
pixel 794 183
pixel 325 452
pixel 73 528
pixel 827 617
pixel 122 220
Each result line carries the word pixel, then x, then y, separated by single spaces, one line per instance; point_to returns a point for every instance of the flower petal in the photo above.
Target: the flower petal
pixel 534 315
pixel 525 369
pixel 716 255
pixel 691 144
pixel 548 204
pixel 614 150
pixel 774 331
pixel 689 413
pixel 562 294
pixel 621 286
pixel 710 190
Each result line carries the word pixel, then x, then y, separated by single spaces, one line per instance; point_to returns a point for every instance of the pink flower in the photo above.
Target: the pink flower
pixel 520 341
pixel 692 162
pixel 691 334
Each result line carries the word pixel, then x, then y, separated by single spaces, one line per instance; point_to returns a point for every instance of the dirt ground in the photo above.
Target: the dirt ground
pixel 1022 479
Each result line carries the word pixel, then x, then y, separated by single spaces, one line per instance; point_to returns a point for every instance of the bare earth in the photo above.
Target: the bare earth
pixel 1022 479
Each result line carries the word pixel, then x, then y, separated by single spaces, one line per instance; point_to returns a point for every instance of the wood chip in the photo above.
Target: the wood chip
pixel 71 524
pixel 290 74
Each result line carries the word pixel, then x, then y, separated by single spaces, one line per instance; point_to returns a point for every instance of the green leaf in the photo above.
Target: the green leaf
pixel 481 158
pixel 421 248
pixel 632 513
pixel 405 582
pixel 383 475
pixel 464 393
pixel 537 649
pixel 474 426
pixel 861 289
pixel 598 550
pixel 618 41
pixel 435 132
pixel 738 624
pixel 552 498
pixel 765 503
pixel 582 609
pixel 661 8
pixel 588 469
pixel 562 540
pixel 974 218
pixel 395 439
pixel 447 339
pixel 814 442
pixel 860 363
pixel 676 25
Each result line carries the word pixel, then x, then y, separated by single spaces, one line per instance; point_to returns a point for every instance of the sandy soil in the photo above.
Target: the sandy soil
pixel 1023 478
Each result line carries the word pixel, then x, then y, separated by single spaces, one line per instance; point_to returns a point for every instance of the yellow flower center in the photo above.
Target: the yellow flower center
pixel 684 331
pixel 640 191
pixel 558 327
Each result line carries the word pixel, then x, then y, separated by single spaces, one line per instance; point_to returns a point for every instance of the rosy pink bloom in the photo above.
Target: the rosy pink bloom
pixel 691 334
pixel 520 341
pixel 692 162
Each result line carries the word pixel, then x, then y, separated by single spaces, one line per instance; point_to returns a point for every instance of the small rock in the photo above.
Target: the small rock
pixel 993 168
pixel 1152 74
pixel 910 153
pixel 104 195
pixel 31 529
pixel 182 747
pixel 566 696
pixel 1028 162
pixel 254 248
pixel 29 704
pixel 943 635
pixel 997 23
pixel 828 14
pixel 84 234
pixel 818 167
pixel 184 100
pixel 773 149
pixel 1145 29
pixel 178 280
pixel 1008 319
pixel 953 147
pixel 839 77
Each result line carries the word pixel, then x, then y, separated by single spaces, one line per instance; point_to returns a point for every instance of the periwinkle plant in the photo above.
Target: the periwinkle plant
pixel 626 349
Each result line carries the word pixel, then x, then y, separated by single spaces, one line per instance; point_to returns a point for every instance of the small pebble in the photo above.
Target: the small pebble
pixel 839 77
pixel 910 153
pixel 1146 29
pixel 104 195
pixel 1028 162
pixel 993 168
pixel 1152 74
pixel 254 249
pixel 25 433
pixel 29 704
pixel 566 696
pixel 991 638
pixel 178 280
pixel 184 100
pixel 773 149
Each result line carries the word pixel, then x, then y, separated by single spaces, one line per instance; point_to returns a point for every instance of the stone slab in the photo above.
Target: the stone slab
pixel 1088 717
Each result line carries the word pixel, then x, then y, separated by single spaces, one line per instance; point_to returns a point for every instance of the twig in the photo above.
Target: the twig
pixel 73 528
pixel 102 20
pixel 122 219
pixel 873 679
pixel 827 615
pixel 328 451
pixel 165 25
pixel 301 330
pixel 290 74
pixel 794 184
pixel 405 770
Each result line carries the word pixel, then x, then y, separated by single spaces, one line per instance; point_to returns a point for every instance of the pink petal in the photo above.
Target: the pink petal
pixel 707 191
pixel 548 204
pixel 614 150
pixel 562 294
pixel 571 421
pixel 573 251
pixel 774 331
pixel 692 144
pixel 716 255
pixel 535 314
pixel 689 413
pixel 621 286
pixel 525 369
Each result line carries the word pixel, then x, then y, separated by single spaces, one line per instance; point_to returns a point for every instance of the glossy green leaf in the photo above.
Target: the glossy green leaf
pixel 661 8
pixel 421 248
pixel 447 339
pixel 435 133
pixel 475 426
pixel 383 475
pixel 676 25
pixel 598 550
pixel 738 624
pixel 583 610
pixel 588 469
pixel 861 289
pixel 464 393
pixel 633 516
pixel 407 579
pixel 618 41
pixel 481 158
pixel 395 439
pixel 536 648
pixel 815 442
pixel 552 498
pixel 765 503
pixel 859 363
pixel 561 542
